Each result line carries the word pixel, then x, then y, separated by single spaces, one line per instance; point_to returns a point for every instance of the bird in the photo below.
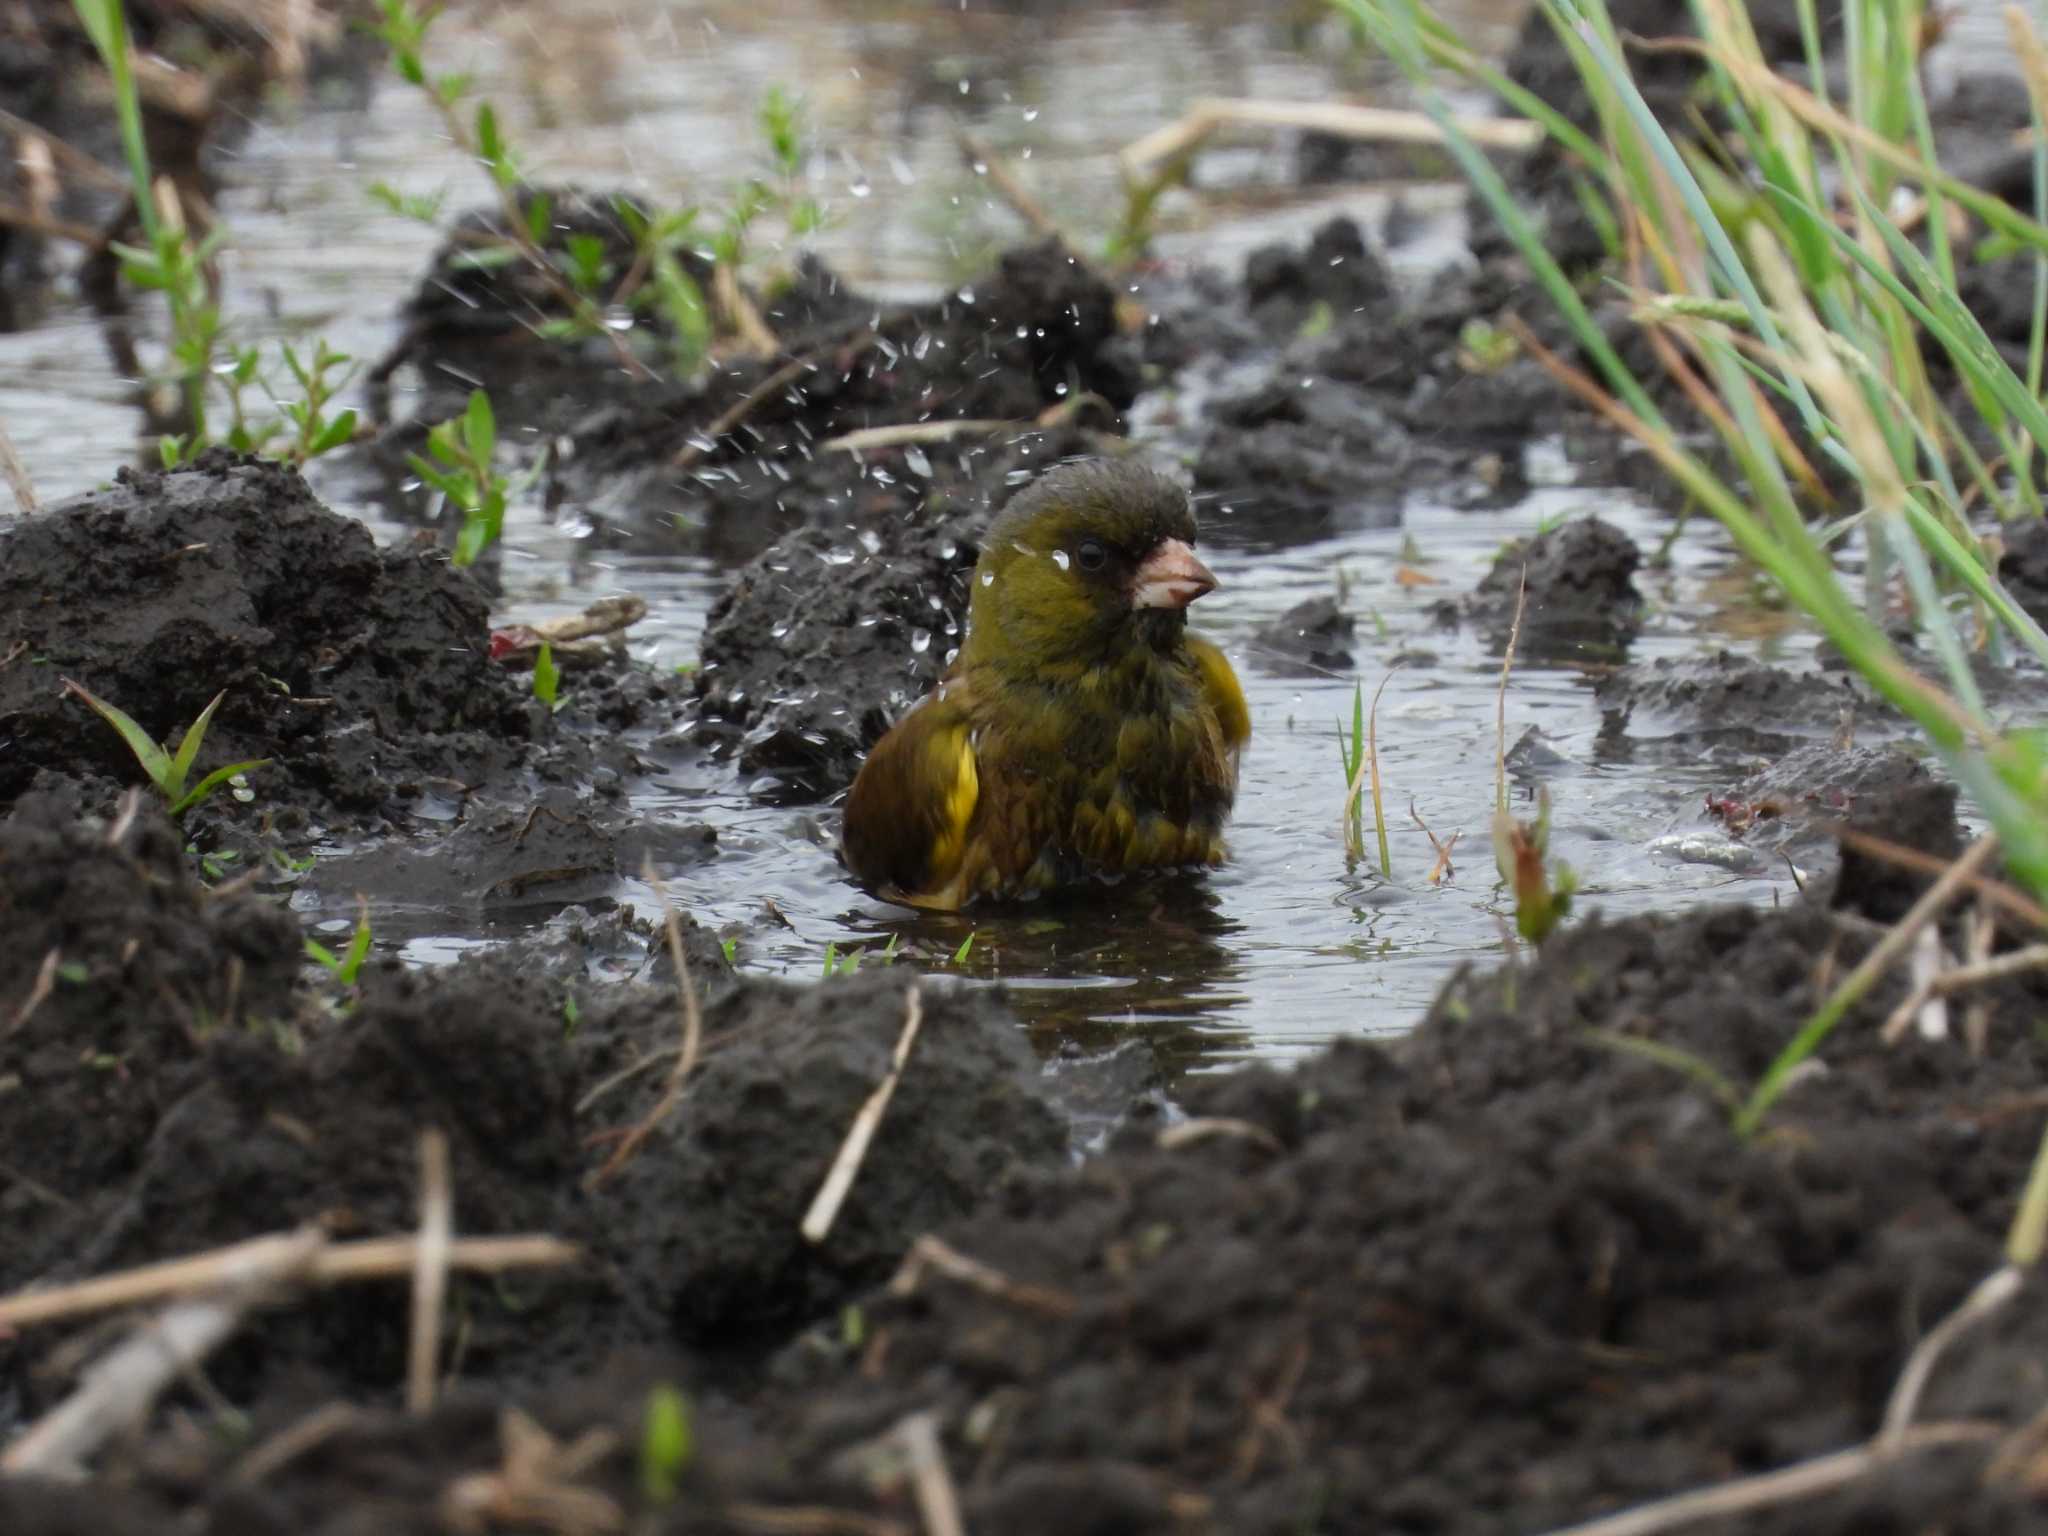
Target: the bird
pixel 1081 733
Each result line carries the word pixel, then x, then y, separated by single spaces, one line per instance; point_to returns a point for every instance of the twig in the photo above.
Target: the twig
pixel 39 989
pixel 808 1520
pixel 693 451
pixel 1442 869
pixel 77 159
pixel 1958 978
pixel 1991 1293
pixel 746 320
pixel 1500 699
pixel 1994 891
pixel 48 226
pixel 867 439
pixel 692 1022
pixel 938 1503
pixel 1213 1128
pixel 292 1442
pixel 429 1271
pixel 1924 911
pixel 1801 1480
pixel 332 1264
pixel 940 1257
pixel 839 1177
pixel 1369 124
pixel 118 1392
pixel 17 476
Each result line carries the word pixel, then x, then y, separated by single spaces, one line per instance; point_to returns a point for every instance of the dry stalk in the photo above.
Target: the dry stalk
pixel 1216 1128
pixel 117 1393
pixel 429 1271
pixel 817 1223
pixel 692 1020
pixel 1999 894
pixel 39 990
pixel 809 1520
pixel 693 452
pixel 938 1502
pixel 1991 1293
pixel 1500 699
pixel 1378 125
pixel 933 1254
pixel 292 1442
pixel 1801 1480
pixel 867 439
pixel 1441 870
pixel 226 1268
pixel 536 1485
pixel 16 474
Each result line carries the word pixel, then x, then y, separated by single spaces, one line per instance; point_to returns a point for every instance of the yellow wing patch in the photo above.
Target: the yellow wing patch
pixel 955 750
pixel 1221 688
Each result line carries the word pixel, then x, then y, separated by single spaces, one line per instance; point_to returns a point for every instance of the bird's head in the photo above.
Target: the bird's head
pixel 1091 557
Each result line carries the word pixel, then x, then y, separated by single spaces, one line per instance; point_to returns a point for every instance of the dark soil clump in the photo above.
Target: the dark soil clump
pixel 1574 586
pixel 361 673
pixel 1726 702
pixel 1314 636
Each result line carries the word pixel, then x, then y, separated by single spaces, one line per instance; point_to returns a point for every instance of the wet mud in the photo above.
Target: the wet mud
pixel 1514 1271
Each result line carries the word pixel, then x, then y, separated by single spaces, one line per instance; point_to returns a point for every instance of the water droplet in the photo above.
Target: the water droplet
pixel 1060 390
pixel 1023 333
pixel 921 346
pixel 965 295
pixel 576 525
pixel 618 318
pixel 932 601
pixel 779 632
pixel 920 641
pixel 988 578
pixel 915 461
pixel 837 555
pixel 1059 558
pixel 861 187
pixel 871 541
pixel 965 87
pixel 952 651
pixel 900 169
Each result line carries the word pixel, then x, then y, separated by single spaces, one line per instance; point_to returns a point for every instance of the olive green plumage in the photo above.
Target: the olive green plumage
pixel 1081 731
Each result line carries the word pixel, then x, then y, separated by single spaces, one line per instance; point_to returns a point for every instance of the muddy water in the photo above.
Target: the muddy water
pixel 1293 942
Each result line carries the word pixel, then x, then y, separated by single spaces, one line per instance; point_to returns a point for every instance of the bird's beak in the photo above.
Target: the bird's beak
pixel 1170 577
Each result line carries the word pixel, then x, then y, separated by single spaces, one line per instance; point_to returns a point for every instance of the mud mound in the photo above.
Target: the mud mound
pixel 360 672
pixel 704 1223
pixel 117 969
pixel 1312 637
pixel 1581 600
pixel 748 453
pixel 1500 1280
pixel 1679 706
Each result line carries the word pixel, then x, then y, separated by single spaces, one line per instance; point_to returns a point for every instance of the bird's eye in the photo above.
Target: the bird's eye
pixel 1091 555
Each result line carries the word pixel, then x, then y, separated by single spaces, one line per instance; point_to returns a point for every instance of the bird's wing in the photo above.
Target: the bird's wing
pixel 1220 687
pixel 908 815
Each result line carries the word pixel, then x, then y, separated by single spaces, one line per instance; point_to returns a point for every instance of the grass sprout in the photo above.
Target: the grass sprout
pixel 170 771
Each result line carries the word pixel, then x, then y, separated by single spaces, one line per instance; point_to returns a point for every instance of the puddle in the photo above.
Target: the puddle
pixel 1290 944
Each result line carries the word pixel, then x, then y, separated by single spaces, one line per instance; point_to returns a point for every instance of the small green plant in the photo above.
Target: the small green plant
pixel 1542 890
pixel 547 679
pixel 1485 348
pixel 668 1443
pixel 840 962
pixel 347 965
pixel 171 262
pixel 459 466
pixel 1360 753
pixel 170 771
pixel 960 954
pixel 728 948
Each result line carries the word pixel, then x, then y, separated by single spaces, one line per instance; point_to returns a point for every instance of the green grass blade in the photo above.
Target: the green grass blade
pixel 197 794
pixel 152 757
pixel 188 749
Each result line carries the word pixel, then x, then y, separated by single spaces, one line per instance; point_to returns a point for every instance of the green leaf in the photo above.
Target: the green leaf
pixel 960 954
pixel 199 792
pixel 547 677
pixel 540 217
pixel 488 144
pixel 480 430
pixel 485 258
pixel 152 758
pixel 668 1442
pixel 337 432
pixel 188 749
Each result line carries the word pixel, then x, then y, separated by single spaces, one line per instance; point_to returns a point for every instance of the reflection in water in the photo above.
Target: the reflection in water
pixel 1154 958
